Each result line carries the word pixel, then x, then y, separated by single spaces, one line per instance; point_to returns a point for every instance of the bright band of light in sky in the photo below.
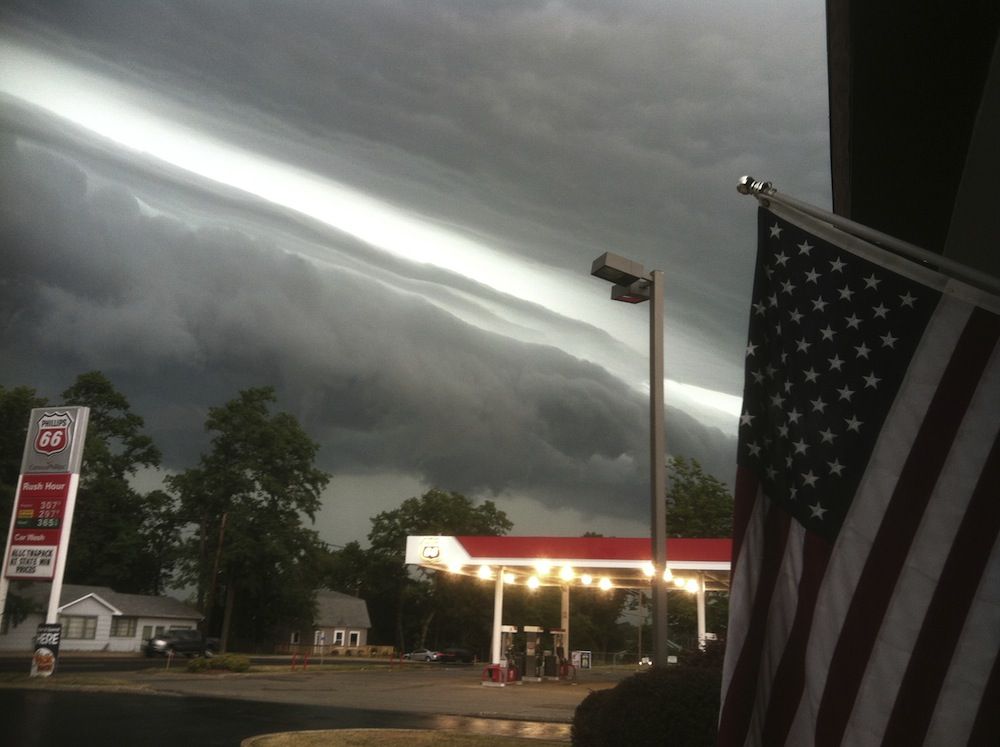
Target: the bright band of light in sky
pixel 116 112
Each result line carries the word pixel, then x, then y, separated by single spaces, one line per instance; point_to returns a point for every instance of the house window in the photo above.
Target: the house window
pixel 148 631
pixel 295 638
pixel 338 638
pixel 80 627
pixel 355 638
pixel 123 627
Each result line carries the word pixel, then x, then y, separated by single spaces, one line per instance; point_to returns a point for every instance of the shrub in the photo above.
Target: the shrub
pixel 586 730
pixel 197 665
pixel 710 657
pixel 666 706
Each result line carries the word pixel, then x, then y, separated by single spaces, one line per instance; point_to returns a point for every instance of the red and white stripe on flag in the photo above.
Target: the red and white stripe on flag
pixel 865 598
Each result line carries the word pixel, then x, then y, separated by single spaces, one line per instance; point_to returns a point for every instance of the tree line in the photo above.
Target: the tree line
pixel 235 531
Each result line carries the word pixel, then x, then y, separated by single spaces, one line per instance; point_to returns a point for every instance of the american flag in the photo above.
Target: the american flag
pixel 865 600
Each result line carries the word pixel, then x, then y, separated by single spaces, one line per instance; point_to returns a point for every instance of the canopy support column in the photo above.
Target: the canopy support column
pixel 701 611
pixel 564 619
pixel 497 617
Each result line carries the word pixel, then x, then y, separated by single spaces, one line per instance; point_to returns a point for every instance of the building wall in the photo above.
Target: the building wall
pixel 21 638
pixel 344 640
pixel 87 609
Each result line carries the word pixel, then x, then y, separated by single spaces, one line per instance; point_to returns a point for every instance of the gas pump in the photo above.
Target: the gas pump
pixel 532 653
pixel 504 671
pixel 555 653
pixel 507 646
pixel 559 647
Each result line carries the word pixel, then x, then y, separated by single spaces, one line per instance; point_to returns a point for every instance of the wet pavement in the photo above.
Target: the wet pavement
pixel 155 707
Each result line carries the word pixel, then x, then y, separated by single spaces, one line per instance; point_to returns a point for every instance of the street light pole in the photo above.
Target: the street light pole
pixel 657 469
pixel 632 284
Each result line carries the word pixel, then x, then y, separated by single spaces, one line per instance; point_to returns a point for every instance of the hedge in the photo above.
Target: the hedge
pixel 674 705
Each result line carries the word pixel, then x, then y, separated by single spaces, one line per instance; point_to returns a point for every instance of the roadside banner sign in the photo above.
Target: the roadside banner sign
pixel 43 663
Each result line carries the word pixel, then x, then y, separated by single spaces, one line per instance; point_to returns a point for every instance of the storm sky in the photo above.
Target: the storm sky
pixel 388 211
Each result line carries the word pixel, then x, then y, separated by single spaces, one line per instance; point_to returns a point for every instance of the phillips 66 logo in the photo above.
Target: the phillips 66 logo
pixel 53 433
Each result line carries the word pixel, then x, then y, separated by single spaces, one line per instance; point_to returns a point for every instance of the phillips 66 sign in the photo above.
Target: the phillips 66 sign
pixel 53 433
pixel 46 492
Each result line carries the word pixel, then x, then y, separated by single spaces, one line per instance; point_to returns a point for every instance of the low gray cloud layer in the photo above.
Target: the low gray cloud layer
pixel 549 131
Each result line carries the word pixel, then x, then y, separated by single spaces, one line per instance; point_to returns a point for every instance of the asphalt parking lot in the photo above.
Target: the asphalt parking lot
pixel 174 706
pixel 432 689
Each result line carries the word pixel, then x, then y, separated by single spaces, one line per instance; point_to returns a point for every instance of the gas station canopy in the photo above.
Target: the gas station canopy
pixel 604 562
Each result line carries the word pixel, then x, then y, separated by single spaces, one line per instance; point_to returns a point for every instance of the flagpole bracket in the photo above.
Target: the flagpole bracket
pixel 750 186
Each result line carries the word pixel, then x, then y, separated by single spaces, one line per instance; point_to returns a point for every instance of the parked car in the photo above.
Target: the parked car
pixel 424 654
pixel 181 642
pixel 456 653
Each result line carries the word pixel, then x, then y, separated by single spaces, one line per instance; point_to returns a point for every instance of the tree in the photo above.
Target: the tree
pixel 120 538
pixel 347 569
pixel 427 605
pixel 15 411
pixel 246 500
pixel 698 505
pixel 435 512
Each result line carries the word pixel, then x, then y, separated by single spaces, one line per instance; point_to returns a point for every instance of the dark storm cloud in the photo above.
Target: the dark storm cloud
pixel 543 131
pixel 578 127
pixel 180 318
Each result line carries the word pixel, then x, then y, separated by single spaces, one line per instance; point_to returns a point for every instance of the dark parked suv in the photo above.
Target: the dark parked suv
pixel 181 642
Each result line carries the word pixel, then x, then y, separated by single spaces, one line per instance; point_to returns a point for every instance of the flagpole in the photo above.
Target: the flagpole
pixel 765 193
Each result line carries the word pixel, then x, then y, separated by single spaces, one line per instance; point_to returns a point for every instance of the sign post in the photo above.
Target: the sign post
pixel 40 524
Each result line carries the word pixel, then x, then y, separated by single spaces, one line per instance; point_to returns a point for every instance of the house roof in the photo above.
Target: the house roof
pixel 129 605
pixel 337 610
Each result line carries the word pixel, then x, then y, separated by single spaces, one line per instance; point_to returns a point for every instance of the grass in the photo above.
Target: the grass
pixel 75 681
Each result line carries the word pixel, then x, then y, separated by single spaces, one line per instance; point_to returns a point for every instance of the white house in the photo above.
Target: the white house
pixel 341 625
pixel 95 618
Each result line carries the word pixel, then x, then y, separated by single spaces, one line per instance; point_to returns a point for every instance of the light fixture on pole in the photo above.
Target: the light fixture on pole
pixel 632 284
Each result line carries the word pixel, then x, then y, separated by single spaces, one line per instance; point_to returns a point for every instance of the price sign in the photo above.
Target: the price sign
pixel 38 522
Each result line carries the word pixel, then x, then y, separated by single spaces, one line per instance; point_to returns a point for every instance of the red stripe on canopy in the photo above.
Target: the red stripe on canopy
pixel 595 548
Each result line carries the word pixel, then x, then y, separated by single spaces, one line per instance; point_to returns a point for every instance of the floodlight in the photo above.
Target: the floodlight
pixel 637 292
pixel 618 270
